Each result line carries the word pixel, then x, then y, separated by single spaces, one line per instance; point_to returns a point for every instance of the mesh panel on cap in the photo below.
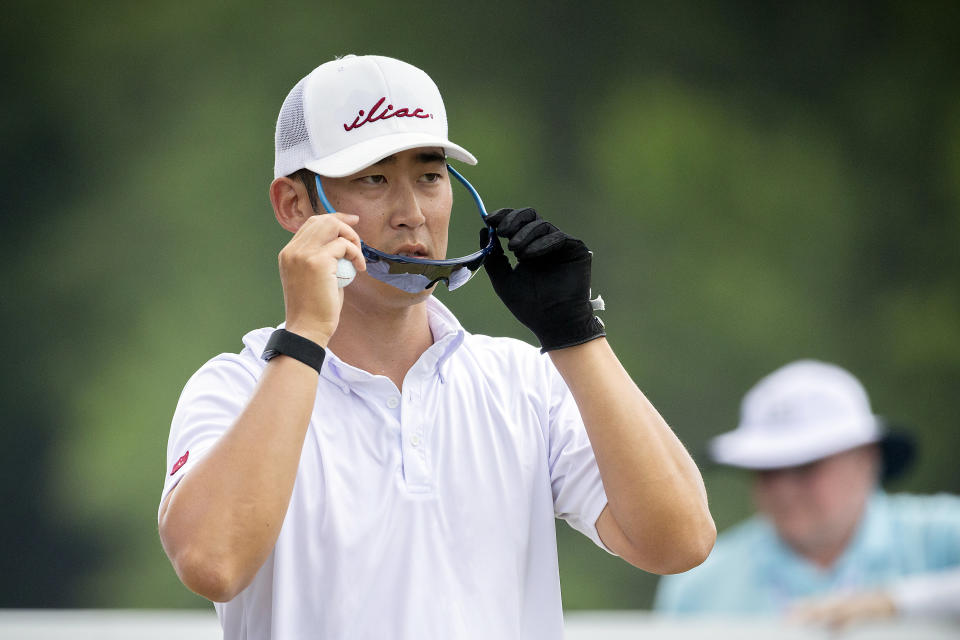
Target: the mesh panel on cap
pixel 292 141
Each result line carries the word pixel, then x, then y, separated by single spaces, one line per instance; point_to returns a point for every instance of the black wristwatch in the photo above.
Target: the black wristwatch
pixel 297 347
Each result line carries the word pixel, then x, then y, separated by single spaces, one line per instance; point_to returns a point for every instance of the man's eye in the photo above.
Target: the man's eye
pixel 431 177
pixel 374 179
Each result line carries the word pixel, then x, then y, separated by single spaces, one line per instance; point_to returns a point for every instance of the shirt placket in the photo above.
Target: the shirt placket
pixel 413 438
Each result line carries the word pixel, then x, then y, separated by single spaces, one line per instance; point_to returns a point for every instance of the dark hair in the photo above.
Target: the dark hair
pixel 307 178
pixel 898 449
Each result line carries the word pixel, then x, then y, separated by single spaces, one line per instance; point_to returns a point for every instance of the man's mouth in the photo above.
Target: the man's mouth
pixel 412 251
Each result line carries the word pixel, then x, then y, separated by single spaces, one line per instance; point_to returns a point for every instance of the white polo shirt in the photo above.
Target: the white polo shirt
pixel 422 514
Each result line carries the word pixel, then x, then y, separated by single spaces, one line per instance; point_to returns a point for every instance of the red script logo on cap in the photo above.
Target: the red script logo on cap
pixel 179 463
pixel 373 116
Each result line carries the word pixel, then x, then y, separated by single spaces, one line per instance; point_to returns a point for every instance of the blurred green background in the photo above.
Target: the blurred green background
pixel 759 182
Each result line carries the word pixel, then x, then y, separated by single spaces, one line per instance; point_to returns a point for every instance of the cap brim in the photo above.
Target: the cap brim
pixel 758 452
pixel 362 155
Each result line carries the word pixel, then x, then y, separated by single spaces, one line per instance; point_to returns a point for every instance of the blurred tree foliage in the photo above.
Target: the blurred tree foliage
pixel 759 182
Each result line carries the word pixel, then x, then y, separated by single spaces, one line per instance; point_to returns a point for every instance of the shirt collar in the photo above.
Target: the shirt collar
pixel 448 335
pixel 873 537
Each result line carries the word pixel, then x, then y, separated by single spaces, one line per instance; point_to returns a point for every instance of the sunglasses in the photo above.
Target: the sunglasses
pixel 413 275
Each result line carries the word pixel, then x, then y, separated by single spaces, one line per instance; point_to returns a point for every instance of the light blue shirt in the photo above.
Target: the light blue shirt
pixel 751 571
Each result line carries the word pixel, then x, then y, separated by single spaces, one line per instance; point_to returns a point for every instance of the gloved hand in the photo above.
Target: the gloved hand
pixel 549 289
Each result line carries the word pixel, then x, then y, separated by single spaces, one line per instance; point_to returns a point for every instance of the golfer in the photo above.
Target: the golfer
pixel 370 469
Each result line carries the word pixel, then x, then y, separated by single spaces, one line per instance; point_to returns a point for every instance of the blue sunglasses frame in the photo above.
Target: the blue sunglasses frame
pixel 414 275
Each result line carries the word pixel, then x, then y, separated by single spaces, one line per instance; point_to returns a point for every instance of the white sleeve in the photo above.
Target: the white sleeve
pixel 932 595
pixel 210 402
pixel 578 495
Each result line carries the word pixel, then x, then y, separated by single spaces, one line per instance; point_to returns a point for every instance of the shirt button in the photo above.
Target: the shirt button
pixel 415 441
pixel 393 402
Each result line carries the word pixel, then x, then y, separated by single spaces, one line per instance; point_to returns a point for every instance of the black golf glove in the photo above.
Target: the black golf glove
pixel 549 288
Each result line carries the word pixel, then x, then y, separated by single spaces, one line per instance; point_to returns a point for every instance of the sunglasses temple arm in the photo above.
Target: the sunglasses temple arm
pixel 473 192
pixel 344 266
pixel 323 196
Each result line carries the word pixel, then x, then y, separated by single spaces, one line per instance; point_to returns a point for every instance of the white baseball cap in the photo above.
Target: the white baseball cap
pixel 802 412
pixel 356 110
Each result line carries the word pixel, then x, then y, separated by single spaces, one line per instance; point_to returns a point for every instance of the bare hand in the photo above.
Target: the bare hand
pixel 308 271
pixel 840 610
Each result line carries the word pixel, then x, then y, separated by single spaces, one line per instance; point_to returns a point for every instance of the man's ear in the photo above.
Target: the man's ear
pixel 291 203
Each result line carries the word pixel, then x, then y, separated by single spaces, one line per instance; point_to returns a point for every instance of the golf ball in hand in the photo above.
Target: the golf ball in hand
pixel 346 272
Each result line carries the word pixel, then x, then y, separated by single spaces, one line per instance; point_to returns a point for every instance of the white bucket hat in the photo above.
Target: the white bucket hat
pixel 802 412
pixel 354 111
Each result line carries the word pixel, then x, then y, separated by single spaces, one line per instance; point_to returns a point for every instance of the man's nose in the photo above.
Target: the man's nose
pixel 407 208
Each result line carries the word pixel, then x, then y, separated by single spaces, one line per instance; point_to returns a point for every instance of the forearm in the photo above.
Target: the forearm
pixel 654 490
pixel 221 521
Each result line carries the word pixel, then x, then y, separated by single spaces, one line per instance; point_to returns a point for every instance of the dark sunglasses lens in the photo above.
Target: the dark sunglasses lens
pixel 409 282
pixel 459 277
pixel 414 277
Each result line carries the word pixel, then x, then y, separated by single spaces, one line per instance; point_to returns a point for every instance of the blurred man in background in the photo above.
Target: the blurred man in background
pixel 828 545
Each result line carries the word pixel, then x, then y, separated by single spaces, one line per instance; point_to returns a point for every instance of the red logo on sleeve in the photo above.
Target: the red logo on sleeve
pixel 179 463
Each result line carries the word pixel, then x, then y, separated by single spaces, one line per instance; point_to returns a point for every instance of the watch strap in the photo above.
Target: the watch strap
pixel 297 347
